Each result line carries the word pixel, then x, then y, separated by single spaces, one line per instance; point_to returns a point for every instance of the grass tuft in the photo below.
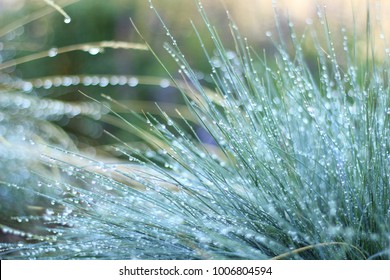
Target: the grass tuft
pixel 292 161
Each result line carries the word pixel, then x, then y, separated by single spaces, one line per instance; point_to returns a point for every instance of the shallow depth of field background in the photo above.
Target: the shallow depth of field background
pixel 95 20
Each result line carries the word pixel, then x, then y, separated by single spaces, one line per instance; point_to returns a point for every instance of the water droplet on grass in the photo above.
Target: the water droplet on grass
pixel 309 21
pixel 133 82
pixel 164 83
pixel 104 81
pixel 114 80
pixel 27 86
pixel 94 50
pixel 52 52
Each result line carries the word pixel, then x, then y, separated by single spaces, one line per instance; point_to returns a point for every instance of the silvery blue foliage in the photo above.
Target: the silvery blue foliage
pixel 299 168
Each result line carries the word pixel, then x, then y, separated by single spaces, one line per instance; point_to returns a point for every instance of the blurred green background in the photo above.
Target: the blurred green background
pixel 98 20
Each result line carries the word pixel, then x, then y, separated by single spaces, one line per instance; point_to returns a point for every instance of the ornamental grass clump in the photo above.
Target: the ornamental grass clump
pixel 296 164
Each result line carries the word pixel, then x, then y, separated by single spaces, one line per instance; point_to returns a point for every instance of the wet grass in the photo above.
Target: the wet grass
pixel 292 162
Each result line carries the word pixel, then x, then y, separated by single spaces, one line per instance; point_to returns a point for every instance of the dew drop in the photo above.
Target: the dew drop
pixel 27 86
pixel 49 212
pixel 309 21
pixel 94 50
pixel 133 82
pixel 122 80
pixel 67 20
pixel 114 80
pixel 53 52
pixel 150 153
pixel 87 81
pixel 164 83
pixel 104 81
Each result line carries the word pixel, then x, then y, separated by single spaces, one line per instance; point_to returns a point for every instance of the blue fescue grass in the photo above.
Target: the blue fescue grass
pixel 298 168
